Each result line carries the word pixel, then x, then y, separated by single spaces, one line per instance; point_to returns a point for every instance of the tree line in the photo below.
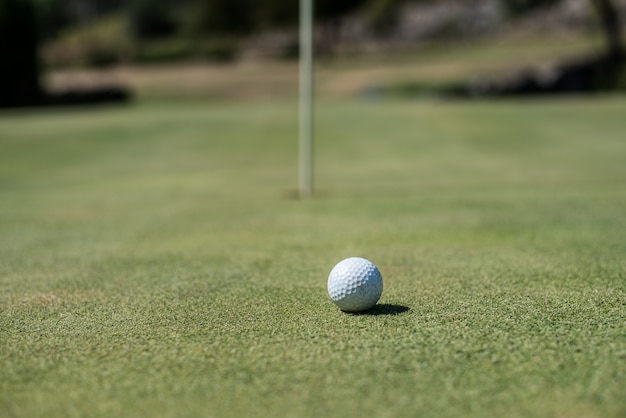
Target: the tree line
pixel 24 24
pixel 162 18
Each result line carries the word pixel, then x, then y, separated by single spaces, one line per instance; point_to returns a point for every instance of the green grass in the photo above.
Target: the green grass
pixel 154 263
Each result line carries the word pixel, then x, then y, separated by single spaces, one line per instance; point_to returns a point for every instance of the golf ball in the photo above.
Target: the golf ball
pixel 355 284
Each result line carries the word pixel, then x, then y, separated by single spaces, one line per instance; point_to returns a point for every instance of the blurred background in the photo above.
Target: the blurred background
pixel 65 51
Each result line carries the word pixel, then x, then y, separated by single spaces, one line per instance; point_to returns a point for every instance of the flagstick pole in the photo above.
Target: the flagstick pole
pixel 306 99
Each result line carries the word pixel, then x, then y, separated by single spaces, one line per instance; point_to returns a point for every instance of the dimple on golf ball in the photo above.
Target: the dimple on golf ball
pixel 355 284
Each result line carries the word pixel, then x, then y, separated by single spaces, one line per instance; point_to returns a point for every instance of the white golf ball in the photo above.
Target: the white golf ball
pixel 355 284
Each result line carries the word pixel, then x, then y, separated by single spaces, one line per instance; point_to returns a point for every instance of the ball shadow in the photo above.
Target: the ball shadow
pixel 384 309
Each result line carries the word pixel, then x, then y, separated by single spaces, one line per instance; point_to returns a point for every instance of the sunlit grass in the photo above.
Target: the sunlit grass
pixel 154 262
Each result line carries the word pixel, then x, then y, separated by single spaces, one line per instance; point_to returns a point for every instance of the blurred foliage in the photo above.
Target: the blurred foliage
pixel 237 17
pixel 329 9
pixel 222 17
pixel 518 7
pixel 104 32
pixel 153 18
pixel 282 13
pixel 101 44
pixel 19 63
pixel 55 16
pixel 97 33
pixel 162 50
pixel 383 14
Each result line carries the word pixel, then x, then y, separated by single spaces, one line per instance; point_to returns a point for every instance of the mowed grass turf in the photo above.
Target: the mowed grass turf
pixel 154 261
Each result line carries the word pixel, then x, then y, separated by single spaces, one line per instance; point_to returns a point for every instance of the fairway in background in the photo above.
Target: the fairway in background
pixel 154 263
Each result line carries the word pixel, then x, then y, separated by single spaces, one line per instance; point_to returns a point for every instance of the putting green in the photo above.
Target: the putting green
pixel 153 261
